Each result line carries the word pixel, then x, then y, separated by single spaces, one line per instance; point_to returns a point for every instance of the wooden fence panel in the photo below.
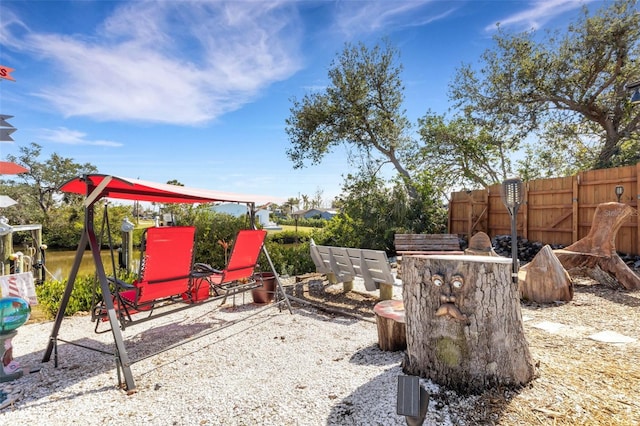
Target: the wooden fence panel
pixel 499 219
pixel 554 211
pixel 469 211
pixel 550 210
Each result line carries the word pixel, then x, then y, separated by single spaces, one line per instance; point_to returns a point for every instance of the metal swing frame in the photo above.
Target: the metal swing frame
pixel 99 186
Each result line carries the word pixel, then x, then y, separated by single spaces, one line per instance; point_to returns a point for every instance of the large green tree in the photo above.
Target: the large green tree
pixel 566 90
pixel 38 187
pixel 462 152
pixel 361 109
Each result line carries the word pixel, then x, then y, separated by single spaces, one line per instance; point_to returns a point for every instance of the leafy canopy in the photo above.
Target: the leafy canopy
pixel 568 90
pixel 361 108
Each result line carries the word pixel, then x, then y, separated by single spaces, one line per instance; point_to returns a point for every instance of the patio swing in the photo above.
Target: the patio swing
pixel 167 274
pixel 168 277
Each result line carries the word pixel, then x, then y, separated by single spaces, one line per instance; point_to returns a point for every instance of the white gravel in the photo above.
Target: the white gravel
pixel 274 368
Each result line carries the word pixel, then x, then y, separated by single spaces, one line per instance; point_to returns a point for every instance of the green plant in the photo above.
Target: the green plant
pixel 289 237
pixel 50 295
pixel 215 235
pixel 288 259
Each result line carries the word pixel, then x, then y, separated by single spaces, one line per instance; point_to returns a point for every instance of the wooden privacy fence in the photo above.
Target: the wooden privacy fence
pixel 554 211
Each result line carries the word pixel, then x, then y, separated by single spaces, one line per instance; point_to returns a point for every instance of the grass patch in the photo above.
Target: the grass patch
pixel 301 229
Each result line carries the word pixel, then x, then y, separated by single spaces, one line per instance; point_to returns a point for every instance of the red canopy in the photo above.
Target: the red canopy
pixel 8 168
pixel 138 190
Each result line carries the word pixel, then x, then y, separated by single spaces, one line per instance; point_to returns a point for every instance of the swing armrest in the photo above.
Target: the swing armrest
pixel 204 269
pixel 120 285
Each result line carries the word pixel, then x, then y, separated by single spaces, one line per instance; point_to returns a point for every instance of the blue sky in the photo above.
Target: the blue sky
pixel 200 91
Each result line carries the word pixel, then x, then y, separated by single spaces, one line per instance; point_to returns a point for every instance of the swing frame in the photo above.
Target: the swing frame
pixel 98 186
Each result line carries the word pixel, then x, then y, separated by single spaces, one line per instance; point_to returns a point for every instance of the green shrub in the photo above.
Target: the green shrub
pixel 50 295
pixel 289 237
pixel 288 259
pixel 214 232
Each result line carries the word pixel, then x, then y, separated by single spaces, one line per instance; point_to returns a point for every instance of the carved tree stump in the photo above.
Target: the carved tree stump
pixel 464 324
pixel 598 248
pixel 391 325
pixel 544 280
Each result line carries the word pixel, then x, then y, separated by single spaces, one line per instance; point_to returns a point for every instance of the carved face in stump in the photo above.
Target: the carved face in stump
pixel 451 290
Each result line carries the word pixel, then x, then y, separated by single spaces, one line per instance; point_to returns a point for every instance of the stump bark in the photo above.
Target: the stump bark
pixel 544 280
pixel 463 323
pixel 390 320
pixel 598 250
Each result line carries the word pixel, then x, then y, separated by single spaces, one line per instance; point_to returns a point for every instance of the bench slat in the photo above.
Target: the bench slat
pixel 426 242
pixel 348 263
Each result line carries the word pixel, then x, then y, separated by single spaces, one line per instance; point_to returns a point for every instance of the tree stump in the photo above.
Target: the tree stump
pixel 463 323
pixel 598 248
pixel 544 280
pixel 391 325
pixel 480 245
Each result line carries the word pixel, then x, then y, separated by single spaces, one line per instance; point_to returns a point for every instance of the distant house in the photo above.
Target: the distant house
pixel 316 213
pixel 237 210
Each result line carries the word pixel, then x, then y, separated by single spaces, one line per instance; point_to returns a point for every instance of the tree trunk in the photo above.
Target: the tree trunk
pixel 463 323
pixel 597 250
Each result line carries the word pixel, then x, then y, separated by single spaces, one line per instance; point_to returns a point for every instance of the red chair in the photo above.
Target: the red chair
pixel 165 271
pixel 241 266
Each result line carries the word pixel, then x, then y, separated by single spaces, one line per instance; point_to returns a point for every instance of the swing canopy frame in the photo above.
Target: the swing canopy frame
pixel 99 186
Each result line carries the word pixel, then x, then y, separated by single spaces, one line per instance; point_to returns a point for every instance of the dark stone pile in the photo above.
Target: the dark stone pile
pixel 527 250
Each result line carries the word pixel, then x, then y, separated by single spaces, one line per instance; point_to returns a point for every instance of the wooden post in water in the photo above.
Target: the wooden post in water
pixel 464 323
pixel 7 249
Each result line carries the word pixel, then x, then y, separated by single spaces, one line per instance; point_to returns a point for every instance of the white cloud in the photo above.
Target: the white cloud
pixel 170 62
pixel 538 13
pixel 357 17
pixel 73 137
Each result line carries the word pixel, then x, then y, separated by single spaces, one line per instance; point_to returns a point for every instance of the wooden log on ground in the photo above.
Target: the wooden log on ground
pixel 544 280
pixel 391 325
pixel 463 323
pixel 598 249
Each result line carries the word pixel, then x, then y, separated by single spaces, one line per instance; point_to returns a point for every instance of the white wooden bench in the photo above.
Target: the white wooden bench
pixel 342 264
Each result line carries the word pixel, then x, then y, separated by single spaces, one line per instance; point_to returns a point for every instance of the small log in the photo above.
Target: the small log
pixel 480 245
pixel 391 325
pixel 544 280
pixel 598 247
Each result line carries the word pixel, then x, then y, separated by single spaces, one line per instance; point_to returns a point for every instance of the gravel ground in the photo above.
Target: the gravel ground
pixel 274 368
pixel 318 367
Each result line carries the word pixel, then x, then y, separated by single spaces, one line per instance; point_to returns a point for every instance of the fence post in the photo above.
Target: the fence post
pixel 525 210
pixel 575 207
pixel 638 208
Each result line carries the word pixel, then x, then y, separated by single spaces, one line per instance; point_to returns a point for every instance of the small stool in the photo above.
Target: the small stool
pixel 391 325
